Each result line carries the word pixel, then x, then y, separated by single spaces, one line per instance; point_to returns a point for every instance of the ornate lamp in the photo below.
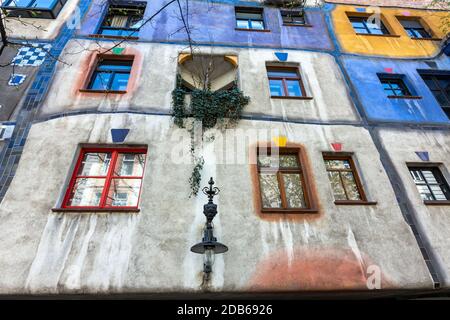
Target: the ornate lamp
pixel 209 245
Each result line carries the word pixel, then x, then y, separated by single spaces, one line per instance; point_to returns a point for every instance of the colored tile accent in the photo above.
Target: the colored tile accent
pixel 119 135
pixel 16 79
pixel 31 55
pixel 423 155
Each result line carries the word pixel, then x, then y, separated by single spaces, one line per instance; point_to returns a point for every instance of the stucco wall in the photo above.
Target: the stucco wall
pixel 398 44
pixel 392 3
pixel 363 74
pixel 45 29
pixel 401 146
pixel 149 251
pixel 154 75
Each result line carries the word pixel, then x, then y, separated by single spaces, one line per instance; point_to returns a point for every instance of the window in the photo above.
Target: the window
pixel 111 75
pixel 47 9
pixel 430 183
pixel 106 178
pixel 364 25
pixel 394 86
pixel 414 28
pixel 344 179
pixel 249 18
pixel 123 21
pixel 285 82
pixel 439 84
pixel 282 181
pixel 293 17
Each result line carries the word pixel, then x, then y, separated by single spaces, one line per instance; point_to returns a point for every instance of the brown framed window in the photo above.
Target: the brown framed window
pixel 285 82
pixel 282 181
pixel 293 17
pixel 430 183
pixel 344 179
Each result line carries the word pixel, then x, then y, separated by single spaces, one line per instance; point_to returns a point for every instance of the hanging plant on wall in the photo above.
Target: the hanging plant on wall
pixel 221 108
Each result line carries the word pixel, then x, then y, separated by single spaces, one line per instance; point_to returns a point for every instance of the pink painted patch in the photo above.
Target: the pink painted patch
pixel 337 146
pixel 389 70
pixel 406 13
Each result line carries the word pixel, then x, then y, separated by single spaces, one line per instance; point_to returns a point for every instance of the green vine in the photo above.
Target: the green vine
pixel 210 108
pixel 196 176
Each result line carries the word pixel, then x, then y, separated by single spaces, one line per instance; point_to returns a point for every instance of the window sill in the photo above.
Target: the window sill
pixel 297 25
pixel 289 211
pixel 405 97
pixel 379 35
pixel 437 202
pixel 102 36
pixel 256 30
pixel 428 39
pixel 355 203
pixel 291 98
pixel 103 91
pixel 93 210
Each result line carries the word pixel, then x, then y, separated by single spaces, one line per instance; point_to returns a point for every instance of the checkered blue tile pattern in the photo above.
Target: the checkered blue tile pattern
pixel 31 55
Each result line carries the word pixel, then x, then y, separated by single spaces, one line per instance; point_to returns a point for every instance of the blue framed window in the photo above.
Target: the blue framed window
pixel 45 9
pixel 394 85
pixel 415 29
pixel 249 18
pixel 364 25
pixel 111 75
pixel 123 20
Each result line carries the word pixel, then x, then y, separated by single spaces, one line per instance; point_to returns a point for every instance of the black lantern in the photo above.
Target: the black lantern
pixel 209 245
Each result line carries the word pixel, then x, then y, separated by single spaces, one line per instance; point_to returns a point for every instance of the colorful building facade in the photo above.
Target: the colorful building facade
pixel 333 178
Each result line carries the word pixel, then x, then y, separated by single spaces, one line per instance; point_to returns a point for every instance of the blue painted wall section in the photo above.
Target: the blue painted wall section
pixel 215 23
pixel 378 107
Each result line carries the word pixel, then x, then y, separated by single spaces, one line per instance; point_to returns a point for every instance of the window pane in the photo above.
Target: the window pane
pixel 257 24
pixel 101 81
pixel 350 186
pixel 242 24
pixel 294 190
pixel 288 161
pixel 114 65
pixel 111 32
pixel 336 185
pixel 94 164
pixel 120 81
pixel 358 24
pixel 429 177
pixel 270 191
pixel 410 24
pixel 47 4
pixel 337 164
pixel 124 193
pixel 294 89
pixel 276 88
pixel 19 3
pixel 438 192
pixel 282 73
pixel 86 192
pixel 249 16
pixel 130 164
pixel 425 192
pixel 417 177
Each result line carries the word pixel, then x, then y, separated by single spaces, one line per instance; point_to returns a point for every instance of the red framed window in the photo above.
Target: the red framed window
pixel 106 178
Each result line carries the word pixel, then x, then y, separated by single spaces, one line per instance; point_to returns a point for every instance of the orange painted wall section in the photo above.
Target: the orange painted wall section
pixel 398 44
pixel 310 269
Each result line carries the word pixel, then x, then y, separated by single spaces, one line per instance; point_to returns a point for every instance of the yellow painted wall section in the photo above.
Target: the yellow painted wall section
pixel 398 43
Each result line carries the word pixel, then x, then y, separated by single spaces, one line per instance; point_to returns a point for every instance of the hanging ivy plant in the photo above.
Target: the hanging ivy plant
pixel 196 176
pixel 209 107
pixel 221 107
